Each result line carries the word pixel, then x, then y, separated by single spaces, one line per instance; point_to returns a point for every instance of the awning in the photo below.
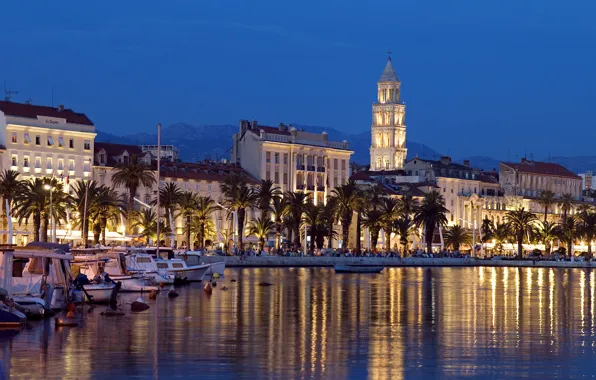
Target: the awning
pixel 76 235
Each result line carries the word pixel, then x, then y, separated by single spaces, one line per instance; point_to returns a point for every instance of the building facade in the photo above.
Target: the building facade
pixel 388 146
pixel 169 153
pixel 294 160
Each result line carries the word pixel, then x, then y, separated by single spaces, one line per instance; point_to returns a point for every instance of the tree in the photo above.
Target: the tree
pixel 132 175
pixel 30 202
pixel 520 223
pixel 238 197
pixel 407 205
pixel 205 207
pixel 57 208
pixel 312 217
pixel 456 236
pixel 390 208
pixel 373 220
pixel 587 228
pixel 404 226
pixel 187 205
pixel 430 214
pixel 568 232
pixel 261 228
pixel 146 220
pixel 346 197
pixel 10 185
pixel 264 193
pixel 545 232
pixel 169 194
pixel 329 220
pixel 107 207
pixel 501 234
pixel 546 199
pixel 85 199
pixel 296 203
pixel 279 210
pixel 486 229
pixel 566 202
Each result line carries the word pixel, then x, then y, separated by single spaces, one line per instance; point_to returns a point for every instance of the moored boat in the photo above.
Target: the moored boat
pixel 357 269
pixel 99 293
pixel 193 258
pixel 183 271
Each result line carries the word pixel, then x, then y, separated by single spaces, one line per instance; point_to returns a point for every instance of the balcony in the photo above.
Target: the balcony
pixel 321 169
pixel 310 168
pixel 300 187
pixel 310 187
pixel 299 167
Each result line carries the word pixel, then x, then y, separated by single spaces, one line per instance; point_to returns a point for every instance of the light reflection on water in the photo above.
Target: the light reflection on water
pixel 403 323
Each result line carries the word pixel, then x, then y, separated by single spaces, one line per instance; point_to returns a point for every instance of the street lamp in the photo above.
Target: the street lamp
pixel 50 188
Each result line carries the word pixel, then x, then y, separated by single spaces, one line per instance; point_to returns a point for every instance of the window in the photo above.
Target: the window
pixel 267 175
pixel 147 198
pixel 37 162
pixel 87 166
pixel 60 164
pixel 15 160
pixel 49 163
pixel 343 164
pixel 335 163
pixel 14 137
pixel 198 186
pixel 268 157
pixel 451 191
pixel 102 158
pixel 87 145
pixel 285 178
pixel 27 138
pixel 50 141
pixel 285 158
pixel 61 142
pixel 71 143
pixel 209 187
pixel 444 189
pixel 71 165
pixel 277 158
pixel 26 161
pixel 276 177
pixel 452 203
pixel 37 140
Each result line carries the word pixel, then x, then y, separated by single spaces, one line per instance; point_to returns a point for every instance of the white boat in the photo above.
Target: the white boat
pixel 94 262
pixel 183 271
pixel 99 293
pixel 32 307
pixel 194 258
pixel 145 264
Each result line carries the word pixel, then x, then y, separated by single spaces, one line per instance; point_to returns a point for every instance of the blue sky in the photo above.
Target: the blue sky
pixel 479 77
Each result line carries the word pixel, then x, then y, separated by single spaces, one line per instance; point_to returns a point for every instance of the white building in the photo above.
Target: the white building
pixel 588 180
pixel 168 152
pixel 293 160
pixel 388 146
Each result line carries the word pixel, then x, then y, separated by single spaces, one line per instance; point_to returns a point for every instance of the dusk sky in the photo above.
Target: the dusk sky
pixel 478 77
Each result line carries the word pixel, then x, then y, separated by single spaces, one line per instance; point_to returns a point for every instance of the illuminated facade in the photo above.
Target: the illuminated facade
pixel 388 145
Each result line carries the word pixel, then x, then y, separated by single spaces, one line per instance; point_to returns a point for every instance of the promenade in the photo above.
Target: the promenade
pixel 324 261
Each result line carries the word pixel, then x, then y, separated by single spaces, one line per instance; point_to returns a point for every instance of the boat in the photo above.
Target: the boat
pixel 357 269
pixel 32 307
pixel 11 318
pixel 99 293
pixel 143 263
pixel 96 261
pixel 182 271
pixel 194 258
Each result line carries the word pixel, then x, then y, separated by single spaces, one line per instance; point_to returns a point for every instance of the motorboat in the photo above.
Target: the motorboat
pixel 357 269
pixel 11 318
pixel 182 271
pixel 145 264
pixel 94 262
pixel 193 258
pixel 32 307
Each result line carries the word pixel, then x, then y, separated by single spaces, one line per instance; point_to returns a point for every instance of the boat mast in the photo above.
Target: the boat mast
pixel 158 180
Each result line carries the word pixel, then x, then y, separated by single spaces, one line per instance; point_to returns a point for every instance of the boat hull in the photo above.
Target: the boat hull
pixel 357 269
pixel 134 284
pixel 194 274
pixel 218 268
pixel 11 319
pixel 32 307
pixel 99 293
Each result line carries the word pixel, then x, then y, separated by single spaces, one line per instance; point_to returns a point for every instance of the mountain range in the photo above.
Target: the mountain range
pixel 214 142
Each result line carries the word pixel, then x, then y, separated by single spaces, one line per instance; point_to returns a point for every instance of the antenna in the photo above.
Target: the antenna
pixel 8 93
pixel 29 101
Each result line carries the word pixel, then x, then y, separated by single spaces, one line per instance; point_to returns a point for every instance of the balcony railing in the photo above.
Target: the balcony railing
pixel 321 169
pixel 311 168
pixel 300 187
pixel 310 187
pixel 299 167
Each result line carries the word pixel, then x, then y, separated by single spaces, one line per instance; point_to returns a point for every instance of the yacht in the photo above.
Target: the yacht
pixel 141 262
pixel 96 261
pixel 194 258
pixel 182 271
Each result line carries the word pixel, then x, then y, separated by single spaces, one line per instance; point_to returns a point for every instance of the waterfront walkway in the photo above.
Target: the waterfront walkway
pixel 325 261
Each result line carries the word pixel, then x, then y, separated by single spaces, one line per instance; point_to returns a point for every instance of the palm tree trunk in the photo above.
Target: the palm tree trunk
pixel 430 232
pixel 188 246
pixel 545 212
pixel 202 234
pixel 129 214
pixel 277 238
pixel 330 238
pixel 312 240
pixel 569 248
pixel 345 231
pixel 44 228
pixel 589 249
pixel 387 240
pixel 358 231
pixel 296 236
pixel 374 238
pixel 36 225
pixel 85 233
pixel 520 241
pixel 241 216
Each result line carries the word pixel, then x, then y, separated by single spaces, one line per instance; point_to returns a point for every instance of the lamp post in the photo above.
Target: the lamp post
pixel 53 227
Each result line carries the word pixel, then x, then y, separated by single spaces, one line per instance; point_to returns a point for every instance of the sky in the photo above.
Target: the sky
pixel 496 78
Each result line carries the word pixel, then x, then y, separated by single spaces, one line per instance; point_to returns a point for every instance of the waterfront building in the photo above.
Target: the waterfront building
pixel 388 131
pixel 293 159
pixel 41 141
pixel 169 153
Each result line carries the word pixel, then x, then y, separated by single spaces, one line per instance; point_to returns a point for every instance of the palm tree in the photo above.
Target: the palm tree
pixel 408 205
pixel 404 226
pixel 456 236
pixel 108 208
pixel 501 234
pixel 31 202
pixel 188 205
pixel 566 202
pixel 587 221
pixel 347 198
pixel 486 229
pixel 373 220
pixel 313 218
pixel 430 214
pixel 546 199
pixel 133 175
pixel 390 208
pixel 205 208
pixel 146 219
pixel 261 228
pixel 520 224
pixel 10 185
pixel 568 232
pixel 278 211
pixel 238 197
pixel 85 200
pixel 169 194
pixel 329 219
pixel 545 232
pixel 57 208
pixel 296 203
pixel 264 193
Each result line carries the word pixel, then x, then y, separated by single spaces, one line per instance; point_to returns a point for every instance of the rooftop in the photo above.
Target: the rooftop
pixel 544 168
pixel 203 171
pixel 31 111
pixel 388 73
pixel 113 150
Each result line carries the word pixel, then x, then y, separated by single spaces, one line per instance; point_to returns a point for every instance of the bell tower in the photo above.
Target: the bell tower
pixel 388 145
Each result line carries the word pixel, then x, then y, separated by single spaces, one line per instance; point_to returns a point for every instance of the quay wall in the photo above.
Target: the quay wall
pixel 309 261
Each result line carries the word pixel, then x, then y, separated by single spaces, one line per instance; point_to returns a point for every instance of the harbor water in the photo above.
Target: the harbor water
pixel 475 322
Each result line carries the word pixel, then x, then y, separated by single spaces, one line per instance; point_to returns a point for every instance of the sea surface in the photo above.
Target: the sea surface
pixel 312 323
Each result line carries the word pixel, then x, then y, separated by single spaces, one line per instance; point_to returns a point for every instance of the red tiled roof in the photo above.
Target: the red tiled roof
pixel 272 130
pixel 486 178
pixel 117 149
pixel 32 111
pixel 361 176
pixel 214 172
pixel 545 168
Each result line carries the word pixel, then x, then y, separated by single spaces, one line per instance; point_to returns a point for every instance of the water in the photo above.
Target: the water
pixel 404 323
